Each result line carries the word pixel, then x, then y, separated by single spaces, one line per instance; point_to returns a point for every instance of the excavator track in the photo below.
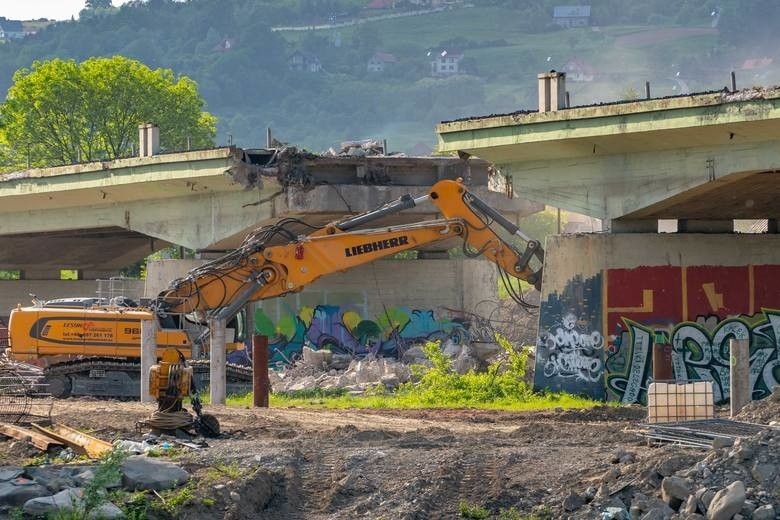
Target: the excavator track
pixel 121 378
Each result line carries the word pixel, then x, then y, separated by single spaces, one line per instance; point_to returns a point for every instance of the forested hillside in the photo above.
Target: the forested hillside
pixel 243 71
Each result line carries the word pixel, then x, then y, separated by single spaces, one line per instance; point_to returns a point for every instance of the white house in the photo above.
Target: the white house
pixel 445 63
pixel 298 61
pixel 571 15
pixel 380 61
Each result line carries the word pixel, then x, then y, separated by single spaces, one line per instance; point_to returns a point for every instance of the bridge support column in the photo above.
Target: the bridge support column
pixel 148 356
pixel 218 378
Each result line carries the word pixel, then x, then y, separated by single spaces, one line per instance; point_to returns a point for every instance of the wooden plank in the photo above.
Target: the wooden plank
pixel 38 439
pixel 81 442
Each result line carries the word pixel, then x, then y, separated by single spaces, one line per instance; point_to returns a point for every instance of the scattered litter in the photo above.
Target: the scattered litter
pixel 702 434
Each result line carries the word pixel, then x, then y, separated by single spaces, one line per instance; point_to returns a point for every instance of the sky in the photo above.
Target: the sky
pixel 51 9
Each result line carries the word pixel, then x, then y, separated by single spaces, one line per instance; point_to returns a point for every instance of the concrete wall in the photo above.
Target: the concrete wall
pixel 608 298
pixel 379 307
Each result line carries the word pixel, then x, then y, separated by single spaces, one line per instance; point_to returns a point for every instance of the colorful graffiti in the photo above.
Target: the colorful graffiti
pixel 570 346
pixel 696 311
pixel 341 329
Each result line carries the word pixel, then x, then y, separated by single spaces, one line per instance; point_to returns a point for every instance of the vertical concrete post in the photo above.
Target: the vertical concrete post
pixel 260 383
pixel 739 374
pixel 142 140
pixel 148 356
pixel 218 379
pixel 153 140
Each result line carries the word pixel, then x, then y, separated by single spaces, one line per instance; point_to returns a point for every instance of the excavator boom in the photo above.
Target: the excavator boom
pixel 258 270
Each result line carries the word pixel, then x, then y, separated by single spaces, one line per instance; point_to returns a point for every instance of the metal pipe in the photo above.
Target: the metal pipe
pixel 260 382
pixel 400 204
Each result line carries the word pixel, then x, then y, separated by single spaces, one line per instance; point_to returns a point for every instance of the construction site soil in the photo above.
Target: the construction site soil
pixel 406 464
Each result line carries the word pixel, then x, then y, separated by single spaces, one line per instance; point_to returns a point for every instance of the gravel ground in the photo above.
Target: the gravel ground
pixel 326 464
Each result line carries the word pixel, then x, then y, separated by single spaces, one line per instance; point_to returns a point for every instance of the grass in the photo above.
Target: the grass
pixel 501 387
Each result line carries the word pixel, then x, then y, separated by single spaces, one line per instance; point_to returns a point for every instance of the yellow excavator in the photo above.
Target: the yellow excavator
pixel 276 260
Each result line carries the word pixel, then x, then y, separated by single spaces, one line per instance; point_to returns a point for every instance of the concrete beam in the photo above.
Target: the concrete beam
pixel 633 226
pixel 705 226
pixel 217 367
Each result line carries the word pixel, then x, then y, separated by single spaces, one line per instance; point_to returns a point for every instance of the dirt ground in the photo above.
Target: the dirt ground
pixel 325 464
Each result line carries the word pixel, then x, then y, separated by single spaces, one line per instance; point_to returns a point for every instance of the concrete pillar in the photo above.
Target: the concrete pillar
pixel 552 91
pixel 739 374
pixel 148 356
pixel 705 226
pixel 142 140
pixel 634 226
pixel 152 139
pixel 218 379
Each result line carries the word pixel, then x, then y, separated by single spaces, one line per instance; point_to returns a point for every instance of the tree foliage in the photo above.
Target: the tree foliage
pixel 61 112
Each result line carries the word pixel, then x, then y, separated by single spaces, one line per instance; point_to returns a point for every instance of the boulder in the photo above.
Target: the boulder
pixel 18 491
pixel 10 472
pixel 674 491
pixel 484 351
pixel 727 502
pixel 573 501
pixel 316 358
pixel 106 511
pixel 140 472
pixel 304 383
pixel 63 502
pixel 765 512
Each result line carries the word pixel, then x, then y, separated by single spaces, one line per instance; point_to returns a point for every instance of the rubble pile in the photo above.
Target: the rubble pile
pixel 324 370
pixel 737 479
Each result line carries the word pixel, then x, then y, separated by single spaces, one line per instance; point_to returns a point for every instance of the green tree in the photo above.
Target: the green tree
pixel 61 112
pixel 97 4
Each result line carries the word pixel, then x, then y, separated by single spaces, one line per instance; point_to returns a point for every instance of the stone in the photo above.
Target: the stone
pixel 765 512
pixel 235 496
pixel 654 514
pixel 485 351
pixel 415 356
pixel 63 502
pixel 465 362
pixel 590 493
pixel 763 472
pixel 775 393
pixel 615 513
pixel 727 502
pixel 451 349
pixel 672 465
pixel 719 443
pixel 140 472
pixel 51 479
pixel 10 472
pixel 316 358
pixel 573 501
pixel 674 491
pixel 18 491
pixel 304 383
pixel 107 511
pixel 611 475
pixel 690 506
pixel 743 453
pixel 389 381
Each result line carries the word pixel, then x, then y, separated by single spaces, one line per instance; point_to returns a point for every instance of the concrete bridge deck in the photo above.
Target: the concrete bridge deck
pixel 708 156
pixel 100 217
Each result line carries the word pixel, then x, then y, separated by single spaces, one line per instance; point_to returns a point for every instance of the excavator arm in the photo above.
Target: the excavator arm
pixel 257 270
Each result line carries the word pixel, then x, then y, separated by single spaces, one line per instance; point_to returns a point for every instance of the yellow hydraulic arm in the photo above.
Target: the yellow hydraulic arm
pixel 257 271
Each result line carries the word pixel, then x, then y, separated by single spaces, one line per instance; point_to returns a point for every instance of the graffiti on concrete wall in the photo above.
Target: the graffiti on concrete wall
pixel 570 346
pixel 341 329
pixel 696 311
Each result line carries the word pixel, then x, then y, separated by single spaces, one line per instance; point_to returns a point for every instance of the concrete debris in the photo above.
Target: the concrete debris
pixel 728 482
pixel 365 148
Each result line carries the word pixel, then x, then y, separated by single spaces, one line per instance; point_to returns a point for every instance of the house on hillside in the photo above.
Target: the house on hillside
pixel 381 61
pixel 571 15
pixel 12 29
pixel 445 63
pixel 302 62
pixel 578 70
pixel 225 45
